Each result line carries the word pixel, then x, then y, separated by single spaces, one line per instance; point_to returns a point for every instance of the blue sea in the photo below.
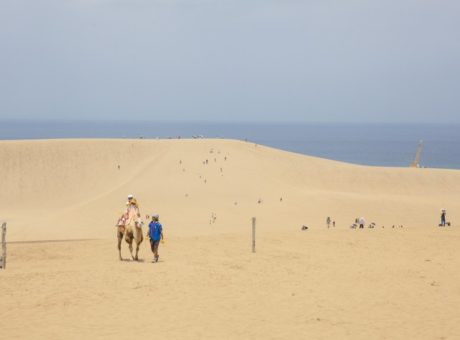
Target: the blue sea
pixel 368 144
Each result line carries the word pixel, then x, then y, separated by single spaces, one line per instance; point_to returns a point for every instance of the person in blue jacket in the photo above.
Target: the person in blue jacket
pixel 155 234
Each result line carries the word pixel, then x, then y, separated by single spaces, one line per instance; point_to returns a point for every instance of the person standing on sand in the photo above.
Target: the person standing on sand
pixel 361 222
pixel 155 234
pixel 443 218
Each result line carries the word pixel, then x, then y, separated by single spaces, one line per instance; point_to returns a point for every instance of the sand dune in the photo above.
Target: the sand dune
pixel 337 283
pixel 74 189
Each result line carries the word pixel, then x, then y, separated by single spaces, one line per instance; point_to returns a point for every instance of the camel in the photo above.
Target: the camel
pixel 131 229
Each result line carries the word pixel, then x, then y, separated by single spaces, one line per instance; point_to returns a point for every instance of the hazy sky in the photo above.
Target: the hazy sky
pixel 227 60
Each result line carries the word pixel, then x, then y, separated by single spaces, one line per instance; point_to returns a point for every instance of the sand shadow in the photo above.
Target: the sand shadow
pixel 131 260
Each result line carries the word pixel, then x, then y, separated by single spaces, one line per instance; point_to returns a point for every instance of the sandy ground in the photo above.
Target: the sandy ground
pixel 337 283
pixel 340 284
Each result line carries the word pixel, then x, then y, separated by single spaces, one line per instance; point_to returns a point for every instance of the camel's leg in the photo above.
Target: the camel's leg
pixel 129 237
pixel 130 242
pixel 119 247
pixel 120 234
pixel 139 238
pixel 137 252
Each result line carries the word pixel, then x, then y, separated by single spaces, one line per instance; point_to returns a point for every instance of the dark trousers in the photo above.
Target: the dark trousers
pixel 154 245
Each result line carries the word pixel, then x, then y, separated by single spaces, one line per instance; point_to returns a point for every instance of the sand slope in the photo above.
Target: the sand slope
pixel 63 189
pixel 340 283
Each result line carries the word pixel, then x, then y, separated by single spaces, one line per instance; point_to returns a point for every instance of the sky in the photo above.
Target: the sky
pixel 390 61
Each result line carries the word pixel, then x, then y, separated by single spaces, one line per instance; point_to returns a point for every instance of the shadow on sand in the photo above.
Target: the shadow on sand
pixel 131 260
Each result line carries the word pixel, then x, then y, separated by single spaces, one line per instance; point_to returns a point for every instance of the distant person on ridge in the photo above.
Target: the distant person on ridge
pixel 156 234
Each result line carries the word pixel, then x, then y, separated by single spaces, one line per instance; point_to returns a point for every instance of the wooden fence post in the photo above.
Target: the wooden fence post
pixel 253 234
pixel 3 256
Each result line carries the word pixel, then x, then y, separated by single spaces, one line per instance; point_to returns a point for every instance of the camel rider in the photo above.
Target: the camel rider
pixel 132 211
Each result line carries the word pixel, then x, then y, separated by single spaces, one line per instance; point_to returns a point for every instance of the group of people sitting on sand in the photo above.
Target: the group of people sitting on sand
pixel 130 224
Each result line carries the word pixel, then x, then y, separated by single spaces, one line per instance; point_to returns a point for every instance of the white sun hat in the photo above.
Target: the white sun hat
pixel 130 196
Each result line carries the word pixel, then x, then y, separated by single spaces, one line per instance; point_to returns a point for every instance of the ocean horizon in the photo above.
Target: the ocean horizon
pixel 392 145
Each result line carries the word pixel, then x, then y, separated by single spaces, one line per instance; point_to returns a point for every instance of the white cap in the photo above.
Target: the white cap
pixel 130 196
pixel 156 216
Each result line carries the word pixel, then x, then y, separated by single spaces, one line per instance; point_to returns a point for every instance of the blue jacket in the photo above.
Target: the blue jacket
pixel 155 230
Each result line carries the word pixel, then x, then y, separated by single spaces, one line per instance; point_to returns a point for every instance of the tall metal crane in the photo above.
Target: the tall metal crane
pixel 416 162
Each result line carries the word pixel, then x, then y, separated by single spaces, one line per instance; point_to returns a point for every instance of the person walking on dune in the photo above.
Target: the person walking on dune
pixel 156 234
